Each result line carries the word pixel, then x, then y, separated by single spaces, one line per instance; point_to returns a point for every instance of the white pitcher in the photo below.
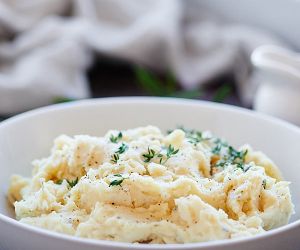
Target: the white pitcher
pixel 278 93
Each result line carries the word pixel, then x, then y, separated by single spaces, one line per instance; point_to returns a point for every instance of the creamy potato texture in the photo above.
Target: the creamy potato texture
pixel 140 185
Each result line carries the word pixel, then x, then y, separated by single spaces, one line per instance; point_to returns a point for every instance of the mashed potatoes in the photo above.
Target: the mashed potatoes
pixel 141 186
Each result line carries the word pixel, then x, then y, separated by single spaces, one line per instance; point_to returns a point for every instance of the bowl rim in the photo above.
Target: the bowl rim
pixel 148 100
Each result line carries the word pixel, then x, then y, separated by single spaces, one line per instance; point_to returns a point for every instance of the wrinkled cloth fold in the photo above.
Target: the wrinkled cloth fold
pixel 47 45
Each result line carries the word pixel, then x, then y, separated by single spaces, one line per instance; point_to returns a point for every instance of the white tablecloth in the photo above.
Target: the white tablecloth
pixel 47 45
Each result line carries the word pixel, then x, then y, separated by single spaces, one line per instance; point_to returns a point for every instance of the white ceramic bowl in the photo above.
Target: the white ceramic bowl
pixel 30 135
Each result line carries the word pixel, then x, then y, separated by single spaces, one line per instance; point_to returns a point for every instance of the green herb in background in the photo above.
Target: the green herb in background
pixel 154 86
pixel 188 94
pixel 170 83
pixel 222 93
pixel 149 82
pixel 62 99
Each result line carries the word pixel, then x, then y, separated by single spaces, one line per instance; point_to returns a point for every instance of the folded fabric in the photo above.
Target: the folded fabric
pixel 47 45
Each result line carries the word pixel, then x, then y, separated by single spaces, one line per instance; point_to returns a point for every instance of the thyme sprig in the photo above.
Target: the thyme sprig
pixel 59 182
pixel 234 157
pixel 71 183
pixel 227 154
pixel 116 156
pixel 117 138
pixel 149 155
pixel 170 152
pixel 219 145
pixel 163 158
pixel 118 181
pixel 122 148
pixel 194 137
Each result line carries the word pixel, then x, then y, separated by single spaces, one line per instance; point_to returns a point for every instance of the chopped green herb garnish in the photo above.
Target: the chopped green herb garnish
pixel 115 158
pixel 222 163
pixel 219 145
pixel 122 149
pixel 246 167
pixel 235 157
pixel 116 139
pixel 59 182
pixel 194 136
pixel 217 149
pixel 117 182
pixel 118 175
pixel 149 155
pixel 227 154
pixel 73 183
pixel 170 152
pixel 264 183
